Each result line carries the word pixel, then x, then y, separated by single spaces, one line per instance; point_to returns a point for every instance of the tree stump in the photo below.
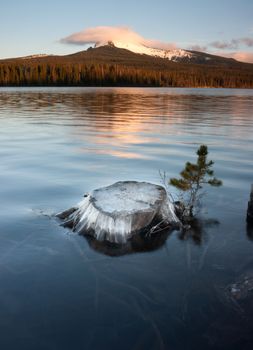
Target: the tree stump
pixel 116 212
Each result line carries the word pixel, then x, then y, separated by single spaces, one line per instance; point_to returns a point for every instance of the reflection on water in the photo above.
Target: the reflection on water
pixel 145 242
pixel 117 121
pixel 197 230
pixel 57 290
pixel 138 244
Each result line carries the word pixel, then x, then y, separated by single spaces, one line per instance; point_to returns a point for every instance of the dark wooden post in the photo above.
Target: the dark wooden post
pixel 250 207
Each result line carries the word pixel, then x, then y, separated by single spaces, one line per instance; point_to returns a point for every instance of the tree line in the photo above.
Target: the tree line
pixel 96 74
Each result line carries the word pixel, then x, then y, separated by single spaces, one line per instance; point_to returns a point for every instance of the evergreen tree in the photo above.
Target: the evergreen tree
pixel 193 177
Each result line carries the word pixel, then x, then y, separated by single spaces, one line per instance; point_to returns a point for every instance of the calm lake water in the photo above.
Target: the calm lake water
pixel 61 291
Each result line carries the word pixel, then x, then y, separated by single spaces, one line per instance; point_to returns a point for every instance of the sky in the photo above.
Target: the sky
pixel 223 27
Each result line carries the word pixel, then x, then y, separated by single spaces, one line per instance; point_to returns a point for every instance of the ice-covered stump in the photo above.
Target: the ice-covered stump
pixel 117 212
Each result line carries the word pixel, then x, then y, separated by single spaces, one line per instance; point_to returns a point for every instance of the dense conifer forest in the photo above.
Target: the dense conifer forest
pixel 108 66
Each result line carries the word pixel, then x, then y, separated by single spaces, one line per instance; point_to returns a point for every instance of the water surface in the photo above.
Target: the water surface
pixel 61 291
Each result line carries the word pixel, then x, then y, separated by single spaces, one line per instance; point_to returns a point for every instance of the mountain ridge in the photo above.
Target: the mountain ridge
pixel 108 65
pixel 174 55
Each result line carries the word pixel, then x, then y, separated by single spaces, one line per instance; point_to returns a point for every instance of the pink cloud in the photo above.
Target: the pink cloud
pixel 102 34
pixel 241 56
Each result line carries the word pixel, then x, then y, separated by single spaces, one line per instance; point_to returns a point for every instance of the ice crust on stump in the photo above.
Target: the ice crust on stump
pixel 116 212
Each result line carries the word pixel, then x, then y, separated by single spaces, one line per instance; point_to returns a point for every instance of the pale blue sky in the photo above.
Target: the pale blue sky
pixel 33 26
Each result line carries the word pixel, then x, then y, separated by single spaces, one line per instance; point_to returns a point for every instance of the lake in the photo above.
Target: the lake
pixel 62 291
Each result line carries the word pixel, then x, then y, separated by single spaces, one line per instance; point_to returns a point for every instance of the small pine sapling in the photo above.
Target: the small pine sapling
pixel 193 177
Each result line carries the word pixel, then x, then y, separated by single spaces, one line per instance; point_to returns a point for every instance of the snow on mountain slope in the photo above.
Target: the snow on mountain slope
pixel 35 56
pixel 172 55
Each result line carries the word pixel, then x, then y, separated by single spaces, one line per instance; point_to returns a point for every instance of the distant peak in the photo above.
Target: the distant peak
pixel 110 43
pixel 105 43
pixel 172 55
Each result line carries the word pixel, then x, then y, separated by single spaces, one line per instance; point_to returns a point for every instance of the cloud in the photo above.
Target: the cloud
pixel 102 34
pixel 241 56
pixel 247 41
pixel 197 48
pixel 232 44
pixel 224 44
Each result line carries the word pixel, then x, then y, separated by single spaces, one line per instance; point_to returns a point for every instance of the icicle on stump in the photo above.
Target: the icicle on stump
pixel 115 213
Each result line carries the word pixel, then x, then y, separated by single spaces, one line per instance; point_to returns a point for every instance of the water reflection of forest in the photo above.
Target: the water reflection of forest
pixel 117 102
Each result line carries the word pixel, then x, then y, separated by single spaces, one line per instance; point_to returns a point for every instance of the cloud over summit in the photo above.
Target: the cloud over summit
pixel 102 34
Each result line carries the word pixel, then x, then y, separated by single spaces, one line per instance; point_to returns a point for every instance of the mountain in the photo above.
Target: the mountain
pixel 120 50
pixel 175 55
pixel 129 65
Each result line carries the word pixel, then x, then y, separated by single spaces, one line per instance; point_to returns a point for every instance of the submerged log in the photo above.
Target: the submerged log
pixel 115 213
pixel 250 207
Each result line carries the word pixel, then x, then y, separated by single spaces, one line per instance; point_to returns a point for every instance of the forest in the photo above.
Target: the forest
pixel 111 67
